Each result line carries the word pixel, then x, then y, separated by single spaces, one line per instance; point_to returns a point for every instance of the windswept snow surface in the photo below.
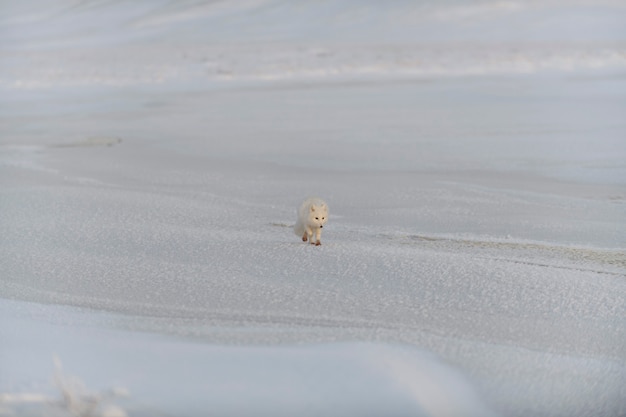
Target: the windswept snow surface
pixel 153 154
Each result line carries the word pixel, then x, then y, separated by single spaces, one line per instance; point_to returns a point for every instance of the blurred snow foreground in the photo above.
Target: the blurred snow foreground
pixel 337 379
pixel 76 399
pixel 153 153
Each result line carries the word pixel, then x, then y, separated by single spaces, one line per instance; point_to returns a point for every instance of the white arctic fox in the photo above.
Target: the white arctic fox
pixel 312 216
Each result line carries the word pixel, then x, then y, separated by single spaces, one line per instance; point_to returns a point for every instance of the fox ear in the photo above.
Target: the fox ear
pixel 312 208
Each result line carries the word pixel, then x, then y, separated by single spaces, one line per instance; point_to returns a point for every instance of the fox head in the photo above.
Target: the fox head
pixel 318 215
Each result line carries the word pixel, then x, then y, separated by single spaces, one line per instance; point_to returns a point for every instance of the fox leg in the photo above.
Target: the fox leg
pixel 318 236
pixel 304 237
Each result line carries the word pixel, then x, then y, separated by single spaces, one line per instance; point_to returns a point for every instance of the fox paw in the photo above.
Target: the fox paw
pixel 304 238
pixel 318 243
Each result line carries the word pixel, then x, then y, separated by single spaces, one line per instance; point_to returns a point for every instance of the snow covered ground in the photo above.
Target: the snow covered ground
pixel 152 156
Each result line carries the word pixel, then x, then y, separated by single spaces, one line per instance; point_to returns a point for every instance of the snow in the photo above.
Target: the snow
pixel 153 155
pixel 338 379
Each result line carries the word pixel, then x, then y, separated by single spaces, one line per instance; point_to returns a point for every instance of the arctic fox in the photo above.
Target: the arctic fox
pixel 312 216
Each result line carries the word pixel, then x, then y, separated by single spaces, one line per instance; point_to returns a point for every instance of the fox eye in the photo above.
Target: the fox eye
pixel 323 218
pixel 317 218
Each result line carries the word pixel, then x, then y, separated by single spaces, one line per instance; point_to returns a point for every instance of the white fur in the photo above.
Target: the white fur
pixel 312 216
